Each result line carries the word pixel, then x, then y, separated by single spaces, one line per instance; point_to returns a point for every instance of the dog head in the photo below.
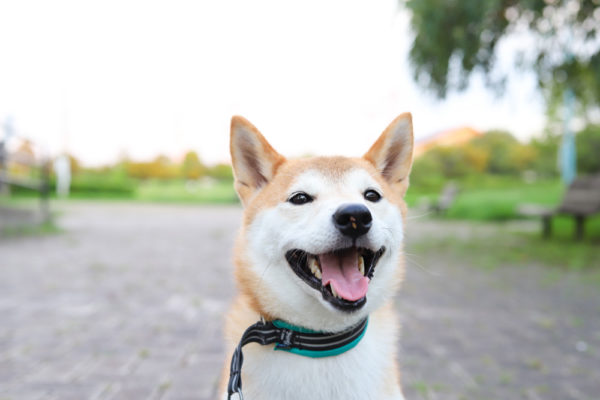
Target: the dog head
pixel 321 240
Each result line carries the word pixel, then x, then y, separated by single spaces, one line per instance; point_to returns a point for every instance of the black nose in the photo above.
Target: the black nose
pixel 352 220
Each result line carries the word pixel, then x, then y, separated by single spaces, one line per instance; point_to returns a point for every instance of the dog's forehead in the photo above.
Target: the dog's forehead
pixel 315 181
pixel 328 169
pixel 320 174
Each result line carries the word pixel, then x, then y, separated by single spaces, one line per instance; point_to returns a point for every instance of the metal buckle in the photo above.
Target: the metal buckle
pixel 286 338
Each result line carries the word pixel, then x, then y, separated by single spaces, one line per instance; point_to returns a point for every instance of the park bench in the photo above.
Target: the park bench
pixel 581 200
pixel 39 183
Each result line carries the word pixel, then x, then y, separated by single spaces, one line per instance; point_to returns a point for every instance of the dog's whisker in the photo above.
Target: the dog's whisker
pixel 262 275
pixel 409 257
pixel 425 214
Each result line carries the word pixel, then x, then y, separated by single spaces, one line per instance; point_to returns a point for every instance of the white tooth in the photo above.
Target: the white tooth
pixel 314 267
pixel 334 292
pixel 361 264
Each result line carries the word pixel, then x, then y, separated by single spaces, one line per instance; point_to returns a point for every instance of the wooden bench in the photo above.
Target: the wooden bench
pixel 41 184
pixel 581 200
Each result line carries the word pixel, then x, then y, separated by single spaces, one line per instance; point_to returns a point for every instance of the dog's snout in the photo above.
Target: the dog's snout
pixel 353 220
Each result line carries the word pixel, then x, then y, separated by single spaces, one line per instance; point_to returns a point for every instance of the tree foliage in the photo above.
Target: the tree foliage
pixel 162 168
pixel 494 153
pixel 505 154
pixel 454 38
pixel 159 168
pixel 221 172
pixel 192 167
pixel 588 150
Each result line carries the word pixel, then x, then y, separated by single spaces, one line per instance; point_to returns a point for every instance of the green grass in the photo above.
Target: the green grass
pixel 563 228
pixel 18 201
pixel 168 191
pixel 496 200
pixel 517 248
pixel 499 199
pixel 46 228
pixel 30 228
pixel 218 192
pixel 488 198
pixel 501 203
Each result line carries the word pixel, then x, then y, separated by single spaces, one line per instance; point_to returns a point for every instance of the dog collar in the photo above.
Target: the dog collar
pixel 293 339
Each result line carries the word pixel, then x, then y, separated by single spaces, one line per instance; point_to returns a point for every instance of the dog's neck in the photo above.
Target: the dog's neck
pixel 296 340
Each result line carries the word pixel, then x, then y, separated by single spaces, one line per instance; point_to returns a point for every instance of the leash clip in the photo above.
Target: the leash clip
pixel 286 338
pixel 238 397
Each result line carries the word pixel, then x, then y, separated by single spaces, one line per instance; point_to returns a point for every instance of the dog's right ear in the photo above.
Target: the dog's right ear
pixel 254 160
pixel 392 153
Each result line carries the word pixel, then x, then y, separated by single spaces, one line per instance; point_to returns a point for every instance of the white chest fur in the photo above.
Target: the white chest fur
pixel 362 373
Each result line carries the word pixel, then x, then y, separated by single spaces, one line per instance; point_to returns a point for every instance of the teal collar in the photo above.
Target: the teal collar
pixel 315 344
pixel 293 339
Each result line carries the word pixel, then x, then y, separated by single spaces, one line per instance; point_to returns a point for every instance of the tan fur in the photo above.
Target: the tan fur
pixel 379 155
pixel 269 186
pixel 245 137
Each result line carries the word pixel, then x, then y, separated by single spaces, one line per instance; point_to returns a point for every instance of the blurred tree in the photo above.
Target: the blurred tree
pixel 476 158
pixel 499 145
pixel 496 152
pixel 221 172
pixel 451 161
pixel 160 168
pixel 426 173
pixel 523 157
pixel 24 157
pixel 138 170
pixel 163 168
pixel 588 150
pixel 454 38
pixel 192 167
pixel 546 148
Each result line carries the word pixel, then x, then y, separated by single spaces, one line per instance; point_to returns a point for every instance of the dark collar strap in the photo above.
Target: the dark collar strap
pixel 294 339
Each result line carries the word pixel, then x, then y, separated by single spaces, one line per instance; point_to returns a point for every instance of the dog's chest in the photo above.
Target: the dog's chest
pixel 360 373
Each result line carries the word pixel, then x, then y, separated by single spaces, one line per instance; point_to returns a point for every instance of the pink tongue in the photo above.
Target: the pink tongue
pixel 341 272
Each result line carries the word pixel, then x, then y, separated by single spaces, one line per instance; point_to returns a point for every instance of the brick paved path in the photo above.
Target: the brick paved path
pixel 116 307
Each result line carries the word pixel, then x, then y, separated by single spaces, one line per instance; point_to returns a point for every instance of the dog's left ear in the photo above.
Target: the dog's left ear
pixel 254 160
pixel 392 153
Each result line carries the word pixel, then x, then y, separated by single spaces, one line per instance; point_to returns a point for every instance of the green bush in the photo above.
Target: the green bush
pixel 98 186
pixel 588 150
pixel 199 192
pixel 222 172
pixel 492 197
pixel 546 147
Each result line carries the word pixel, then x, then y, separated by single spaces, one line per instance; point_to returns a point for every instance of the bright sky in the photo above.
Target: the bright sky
pixel 107 78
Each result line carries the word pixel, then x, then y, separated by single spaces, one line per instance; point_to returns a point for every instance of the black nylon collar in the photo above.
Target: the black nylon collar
pixel 296 340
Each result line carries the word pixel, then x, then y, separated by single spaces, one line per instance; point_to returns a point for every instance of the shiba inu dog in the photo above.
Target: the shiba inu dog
pixel 320 251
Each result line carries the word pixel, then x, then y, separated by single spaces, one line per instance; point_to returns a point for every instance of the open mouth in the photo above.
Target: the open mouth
pixel 342 276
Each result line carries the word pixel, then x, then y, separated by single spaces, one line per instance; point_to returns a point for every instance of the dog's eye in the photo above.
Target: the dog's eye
pixel 372 196
pixel 300 198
